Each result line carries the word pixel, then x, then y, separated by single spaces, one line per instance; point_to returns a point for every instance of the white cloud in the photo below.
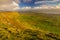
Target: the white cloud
pixel 27 0
pixel 26 8
pixel 46 1
pixel 41 7
pixel 17 1
pixel 55 0
pixel 48 4
pixel 8 1
pixel 48 7
pixel 11 6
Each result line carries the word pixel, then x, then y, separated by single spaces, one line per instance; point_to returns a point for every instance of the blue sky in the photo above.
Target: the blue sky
pixel 34 3
pixel 28 4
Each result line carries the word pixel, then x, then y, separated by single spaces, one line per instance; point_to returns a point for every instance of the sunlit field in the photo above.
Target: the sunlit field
pixel 29 26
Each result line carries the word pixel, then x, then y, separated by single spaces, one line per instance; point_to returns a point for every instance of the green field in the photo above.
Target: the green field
pixel 29 26
pixel 46 22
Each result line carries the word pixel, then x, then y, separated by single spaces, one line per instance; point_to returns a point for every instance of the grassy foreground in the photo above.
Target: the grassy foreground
pixel 29 26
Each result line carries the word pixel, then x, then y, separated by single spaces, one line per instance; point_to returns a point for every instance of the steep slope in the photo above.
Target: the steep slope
pixel 46 22
pixel 14 26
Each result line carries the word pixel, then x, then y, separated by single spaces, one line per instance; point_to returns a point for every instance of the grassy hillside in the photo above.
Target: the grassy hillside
pixel 29 26
pixel 47 22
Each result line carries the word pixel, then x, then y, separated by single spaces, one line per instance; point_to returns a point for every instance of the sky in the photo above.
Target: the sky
pixel 39 4
pixel 34 3
pixel 28 4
